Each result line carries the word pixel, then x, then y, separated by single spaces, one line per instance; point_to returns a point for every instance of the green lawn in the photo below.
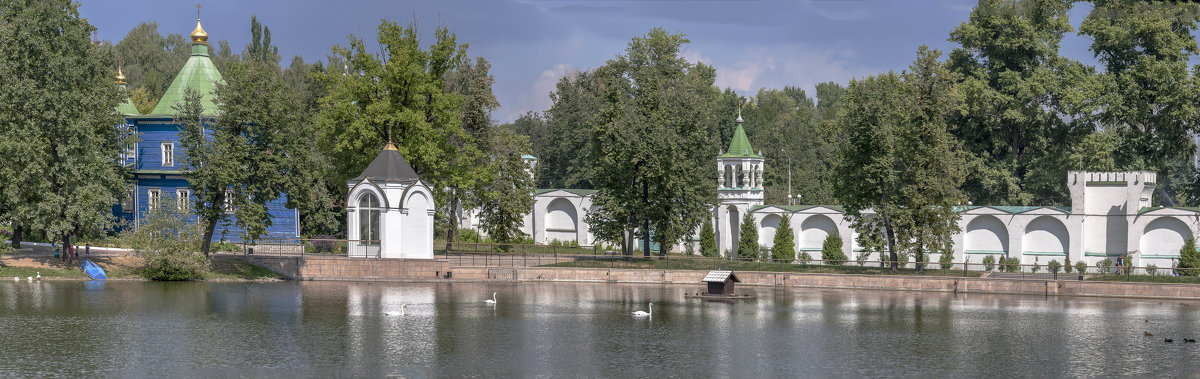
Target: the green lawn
pixel 229 268
pixel 713 264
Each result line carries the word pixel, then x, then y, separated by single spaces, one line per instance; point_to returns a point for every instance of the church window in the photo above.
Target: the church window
pixel 153 195
pixel 127 202
pixel 228 202
pixel 183 198
pixel 368 219
pixel 168 154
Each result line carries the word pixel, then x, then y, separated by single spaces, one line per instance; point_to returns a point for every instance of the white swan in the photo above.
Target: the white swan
pixel 644 314
pixel 39 277
pixel 394 313
pixel 493 300
pixel 16 279
pixel 29 278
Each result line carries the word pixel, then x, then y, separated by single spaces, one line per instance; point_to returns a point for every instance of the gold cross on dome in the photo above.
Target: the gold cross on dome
pixel 197 11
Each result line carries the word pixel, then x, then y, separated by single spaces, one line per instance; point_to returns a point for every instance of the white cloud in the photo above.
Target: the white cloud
pixel 538 96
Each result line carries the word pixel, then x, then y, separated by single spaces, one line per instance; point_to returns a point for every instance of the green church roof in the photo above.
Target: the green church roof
pixel 740 145
pixel 199 74
pixel 126 108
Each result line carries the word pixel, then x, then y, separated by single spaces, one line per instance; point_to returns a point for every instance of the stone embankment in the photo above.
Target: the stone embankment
pixel 312 267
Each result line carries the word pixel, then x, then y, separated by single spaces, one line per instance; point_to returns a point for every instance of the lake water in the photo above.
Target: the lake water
pixel 340 329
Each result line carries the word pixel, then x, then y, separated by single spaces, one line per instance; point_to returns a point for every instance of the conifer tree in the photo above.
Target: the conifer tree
pixel 783 249
pixel 748 245
pixel 708 240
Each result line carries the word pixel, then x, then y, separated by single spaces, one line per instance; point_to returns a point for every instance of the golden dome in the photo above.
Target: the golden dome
pixel 120 76
pixel 198 35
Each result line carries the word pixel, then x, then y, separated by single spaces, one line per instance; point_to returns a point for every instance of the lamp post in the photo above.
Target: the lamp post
pixel 789 157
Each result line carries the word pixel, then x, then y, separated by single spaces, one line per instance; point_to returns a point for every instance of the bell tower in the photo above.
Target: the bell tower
pixel 739 187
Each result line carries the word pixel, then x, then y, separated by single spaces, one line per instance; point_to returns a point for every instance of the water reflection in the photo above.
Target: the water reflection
pixel 556 330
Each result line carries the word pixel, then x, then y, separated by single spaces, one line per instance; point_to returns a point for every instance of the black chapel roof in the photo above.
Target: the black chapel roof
pixel 388 166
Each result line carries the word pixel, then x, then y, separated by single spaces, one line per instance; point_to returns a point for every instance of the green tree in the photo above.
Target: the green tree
pixel 1024 105
pixel 651 143
pixel 1149 93
pixel 150 60
pixel 58 119
pixel 783 248
pixel 900 161
pixel 259 49
pixel 1189 259
pixel 250 154
pixel 748 242
pixel 506 197
pixel 831 250
pixel 708 241
pixel 168 244
pixel 565 131
pixel 398 95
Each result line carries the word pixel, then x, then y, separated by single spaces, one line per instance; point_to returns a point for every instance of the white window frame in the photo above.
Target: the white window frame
pixel 183 199
pixel 228 201
pixel 153 198
pixel 168 154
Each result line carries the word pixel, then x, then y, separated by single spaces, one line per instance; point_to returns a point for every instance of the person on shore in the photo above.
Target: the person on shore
pixel 1174 267
pixel 1120 264
pixel 87 250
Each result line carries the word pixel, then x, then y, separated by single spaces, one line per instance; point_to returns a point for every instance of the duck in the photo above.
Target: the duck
pixel 1147 334
pixel 492 300
pixel 1168 340
pixel 1189 340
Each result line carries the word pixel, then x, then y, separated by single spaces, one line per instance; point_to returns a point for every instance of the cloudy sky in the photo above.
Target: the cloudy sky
pixel 531 43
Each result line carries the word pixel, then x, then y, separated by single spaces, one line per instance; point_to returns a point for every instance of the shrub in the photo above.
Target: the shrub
pixel 863 257
pixel 226 246
pixel 1151 269
pixel 805 257
pixel 1035 268
pixel 902 259
pixel 748 244
pixel 831 250
pixel 5 248
pixel 1067 265
pixel 1081 267
pixel 989 262
pixel 1012 265
pixel 708 240
pixel 1053 266
pixel 1189 258
pixel 324 245
pixel 469 235
pixel 1104 266
pixel 169 245
pixel 783 248
pixel 946 260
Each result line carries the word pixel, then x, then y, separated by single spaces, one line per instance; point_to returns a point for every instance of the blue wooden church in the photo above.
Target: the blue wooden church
pixel 156 159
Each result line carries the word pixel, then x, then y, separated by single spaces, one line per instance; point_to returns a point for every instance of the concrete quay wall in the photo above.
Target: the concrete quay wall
pixel 315 267
pixel 881 282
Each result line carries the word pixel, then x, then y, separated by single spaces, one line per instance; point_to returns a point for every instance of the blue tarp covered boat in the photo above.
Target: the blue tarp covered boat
pixel 93 270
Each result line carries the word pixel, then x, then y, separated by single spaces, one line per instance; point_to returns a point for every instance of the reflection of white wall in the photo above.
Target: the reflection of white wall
pixel 1164 236
pixel 1046 235
pixel 814 230
pixel 986 234
pixel 767 229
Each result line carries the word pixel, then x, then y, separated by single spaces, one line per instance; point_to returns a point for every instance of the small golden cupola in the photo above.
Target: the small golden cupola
pixel 198 35
pixel 120 76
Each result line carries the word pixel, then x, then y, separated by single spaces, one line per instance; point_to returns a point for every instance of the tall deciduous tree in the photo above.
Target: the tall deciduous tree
pixel 1149 95
pixel 58 121
pixel 260 49
pixel 505 198
pixel 398 94
pixel 249 154
pixel 1025 104
pixel 900 160
pixel 652 149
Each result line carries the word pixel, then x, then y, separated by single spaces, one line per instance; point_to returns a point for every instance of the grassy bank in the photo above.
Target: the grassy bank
pixel 223 268
pixel 710 264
